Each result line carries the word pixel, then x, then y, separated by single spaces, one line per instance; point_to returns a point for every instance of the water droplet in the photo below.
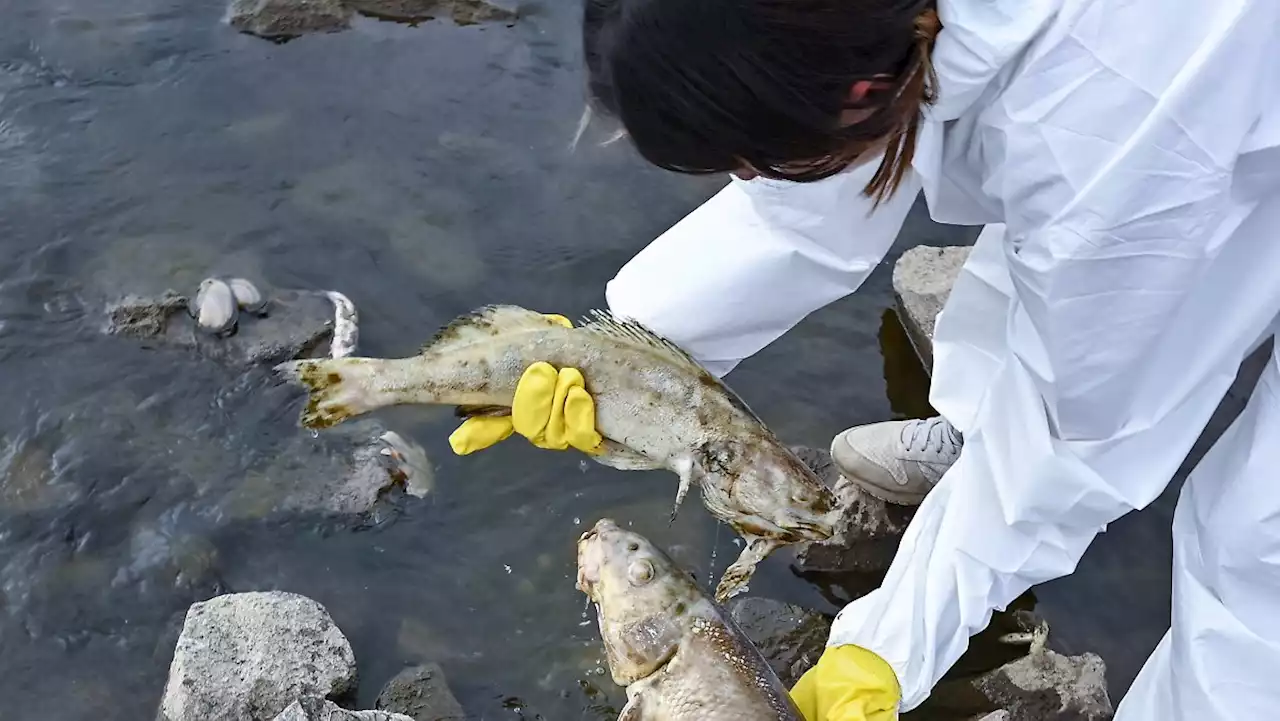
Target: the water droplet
pixel 315 434
pixel 577 521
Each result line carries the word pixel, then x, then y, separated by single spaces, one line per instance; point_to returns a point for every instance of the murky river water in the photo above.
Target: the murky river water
pixel 422 171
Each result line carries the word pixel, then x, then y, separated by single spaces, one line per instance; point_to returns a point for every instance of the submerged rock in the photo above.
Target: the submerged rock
pixel 346 471
pixel 791 638
pixel 249 656
pixel 300 324
pixel 421 693
pixel 284 19
pixel 462 12
pixel 314 708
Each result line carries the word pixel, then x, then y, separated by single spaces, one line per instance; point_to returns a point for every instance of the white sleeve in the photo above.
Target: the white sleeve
pixel 755 259
pixel 1139 268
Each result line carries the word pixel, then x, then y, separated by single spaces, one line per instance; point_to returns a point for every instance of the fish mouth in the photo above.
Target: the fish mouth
pixel 591 556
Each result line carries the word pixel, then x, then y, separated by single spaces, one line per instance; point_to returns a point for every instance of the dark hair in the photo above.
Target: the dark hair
pixel 706 86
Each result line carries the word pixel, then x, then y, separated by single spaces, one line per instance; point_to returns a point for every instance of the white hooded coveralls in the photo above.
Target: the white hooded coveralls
pixel 1124 156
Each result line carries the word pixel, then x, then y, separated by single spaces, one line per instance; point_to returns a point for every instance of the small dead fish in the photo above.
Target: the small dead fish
pixel 248 297
pixel 655 406
pixel 410 463
pixel 216 311
pixel 679 655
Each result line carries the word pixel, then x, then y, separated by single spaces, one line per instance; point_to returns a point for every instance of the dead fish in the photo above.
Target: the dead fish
pixel 248 297
pixel 655 406
pixel 409 463
pixel 679 655
pixel 216 311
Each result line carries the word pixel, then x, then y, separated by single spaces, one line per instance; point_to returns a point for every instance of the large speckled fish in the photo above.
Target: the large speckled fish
pixel 679 655
pixel 655 406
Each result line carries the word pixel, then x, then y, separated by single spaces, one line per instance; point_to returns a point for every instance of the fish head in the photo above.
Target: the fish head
pixel 642 598
pixel 769 484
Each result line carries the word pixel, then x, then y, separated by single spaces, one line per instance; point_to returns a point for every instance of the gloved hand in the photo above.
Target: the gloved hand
pixel 551 408
pixel 849 683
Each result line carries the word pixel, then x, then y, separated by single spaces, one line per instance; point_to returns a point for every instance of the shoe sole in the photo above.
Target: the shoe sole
pixel 897 498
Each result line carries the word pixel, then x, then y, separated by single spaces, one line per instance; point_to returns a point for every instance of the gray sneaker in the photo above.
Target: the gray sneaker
pixel 897 461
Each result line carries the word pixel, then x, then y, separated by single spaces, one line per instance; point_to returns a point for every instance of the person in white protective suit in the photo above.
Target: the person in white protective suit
pixel 1124 158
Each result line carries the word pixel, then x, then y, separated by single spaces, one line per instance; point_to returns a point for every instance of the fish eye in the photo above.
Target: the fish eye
pixel 640 572
pixel 633 546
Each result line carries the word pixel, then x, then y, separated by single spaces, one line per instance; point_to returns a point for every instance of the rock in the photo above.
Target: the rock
pixel 421 693
pixel 285 19
pixel 790 638
pixel 343 471
pixel 1046 685
pixel 300 324
pixel 248 656
pixel 314 708
pixel 462 12
pixel 868 531
pixel 922 280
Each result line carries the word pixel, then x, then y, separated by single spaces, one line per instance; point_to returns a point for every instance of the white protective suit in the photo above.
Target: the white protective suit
pixel 1124 156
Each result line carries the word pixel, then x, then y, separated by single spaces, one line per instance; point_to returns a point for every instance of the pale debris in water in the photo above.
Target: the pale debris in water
pixel 346 331
pixel 215 309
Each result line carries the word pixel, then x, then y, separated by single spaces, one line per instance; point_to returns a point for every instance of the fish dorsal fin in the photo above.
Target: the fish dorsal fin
pixel 486 322
pixel 633 332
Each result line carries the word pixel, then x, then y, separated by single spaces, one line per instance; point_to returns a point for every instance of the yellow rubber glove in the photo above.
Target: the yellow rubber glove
pixel 849 683
pixel 551 408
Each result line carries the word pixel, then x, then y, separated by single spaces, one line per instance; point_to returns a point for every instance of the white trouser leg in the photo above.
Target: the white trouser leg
pixel 1220 660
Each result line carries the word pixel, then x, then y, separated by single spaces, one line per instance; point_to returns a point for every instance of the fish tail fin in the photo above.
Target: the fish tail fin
pixel 338 388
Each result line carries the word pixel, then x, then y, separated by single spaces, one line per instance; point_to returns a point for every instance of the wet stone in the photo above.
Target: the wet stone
pixel 299 324
pixel 462 12
pixel 1047 685
pixel 343 471
pixel 790 638
pixel 314 708
pixel 249 656
pixel 922 280
pixel 285 19
pixel 868 531
pixel 421 693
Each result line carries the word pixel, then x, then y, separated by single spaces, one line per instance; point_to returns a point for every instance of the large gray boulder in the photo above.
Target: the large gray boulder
pixel 248 656
pixel 314 708
pixel 421 693
pixel 922 280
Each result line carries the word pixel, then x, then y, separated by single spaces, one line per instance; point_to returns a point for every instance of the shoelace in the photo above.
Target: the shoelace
pixel 932 433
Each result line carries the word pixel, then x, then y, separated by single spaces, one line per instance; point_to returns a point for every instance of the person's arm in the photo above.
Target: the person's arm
pixel 1130 301
pixel 755 259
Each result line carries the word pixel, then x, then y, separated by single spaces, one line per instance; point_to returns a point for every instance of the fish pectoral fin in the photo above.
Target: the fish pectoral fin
pixel 619 457
pixel 688 471
pixel 736 576
pixel 631 712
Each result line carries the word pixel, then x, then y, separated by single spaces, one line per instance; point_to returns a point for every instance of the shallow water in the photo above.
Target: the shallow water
pixel 422 171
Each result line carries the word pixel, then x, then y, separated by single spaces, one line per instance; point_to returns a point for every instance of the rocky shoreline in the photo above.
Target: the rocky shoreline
pixel 278 656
